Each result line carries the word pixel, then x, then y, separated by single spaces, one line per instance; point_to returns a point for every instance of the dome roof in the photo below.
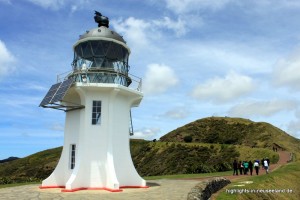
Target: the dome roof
pixel 102 32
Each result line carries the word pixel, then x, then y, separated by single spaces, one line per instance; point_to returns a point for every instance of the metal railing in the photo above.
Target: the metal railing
pixel 136 83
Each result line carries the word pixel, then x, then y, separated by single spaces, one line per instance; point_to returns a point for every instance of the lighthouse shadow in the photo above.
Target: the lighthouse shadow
pixel 152 184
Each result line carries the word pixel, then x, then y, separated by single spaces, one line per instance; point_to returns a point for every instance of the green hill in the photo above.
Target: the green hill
pixel 31 168
pixel 162 158
pixel 237 131
pixel 9 159
pixel 233 138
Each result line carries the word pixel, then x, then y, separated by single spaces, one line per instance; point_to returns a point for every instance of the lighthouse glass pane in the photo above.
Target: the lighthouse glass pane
pixel 112 53
pixel 97 49
pixel 103 61
pixel 96 113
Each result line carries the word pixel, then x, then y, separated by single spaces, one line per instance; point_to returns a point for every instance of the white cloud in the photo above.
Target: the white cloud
pixel 49 4
pixel 146 133
pixel 5 1
pixel 262 108
pixel 7 61
pixel 177 113
pixel 222 56
pixel 74 8
pixel 179 26
pixel 35 86
pixel 59 4
pixel 135 31
pixel 158 79
pixel 297 114
pixel 225 89
pixel 57 127
pixel 188 6
pixel 185 6
pixel 42 134
pixel 287 72
pixel 294 128
pixel 277 4
pixel 294 125
pixel 141 33
pixel 20 100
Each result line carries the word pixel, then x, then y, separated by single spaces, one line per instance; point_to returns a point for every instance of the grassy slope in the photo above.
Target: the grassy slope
pixel 150 159
pixel 284 178
pixel 247 153
pixel 234 131
pixel 32 168
pixel 189 176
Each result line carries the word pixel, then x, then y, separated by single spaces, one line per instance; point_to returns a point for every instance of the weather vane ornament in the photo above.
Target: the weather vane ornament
pixel 101 20
pixel 97 97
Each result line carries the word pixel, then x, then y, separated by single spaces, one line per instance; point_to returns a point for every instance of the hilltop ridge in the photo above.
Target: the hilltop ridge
pixel 9 159
pixel 236 131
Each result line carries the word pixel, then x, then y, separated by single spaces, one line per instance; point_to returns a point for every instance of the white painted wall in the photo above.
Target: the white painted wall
pixel 103 158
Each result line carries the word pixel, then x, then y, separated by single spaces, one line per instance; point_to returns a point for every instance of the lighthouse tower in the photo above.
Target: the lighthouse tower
pixel 97 96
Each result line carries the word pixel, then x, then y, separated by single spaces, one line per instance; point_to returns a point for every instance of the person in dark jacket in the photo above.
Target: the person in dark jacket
pixel 235 167
pixel 250 167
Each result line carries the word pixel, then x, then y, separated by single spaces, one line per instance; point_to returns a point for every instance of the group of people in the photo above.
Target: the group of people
pixel 245 167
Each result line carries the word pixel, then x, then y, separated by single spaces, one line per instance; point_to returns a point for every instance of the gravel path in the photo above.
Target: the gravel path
pixel 159 189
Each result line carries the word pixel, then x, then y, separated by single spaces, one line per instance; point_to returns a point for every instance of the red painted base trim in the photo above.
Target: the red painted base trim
pixel 83 188
pixel 77 189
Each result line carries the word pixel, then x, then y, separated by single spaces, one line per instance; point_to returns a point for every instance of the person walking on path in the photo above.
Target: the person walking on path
pixel 246 167
pixel 241 168
pixel 235 167
pixel 268 160
pixel 266 166
pixel 256 166
pixel 250 167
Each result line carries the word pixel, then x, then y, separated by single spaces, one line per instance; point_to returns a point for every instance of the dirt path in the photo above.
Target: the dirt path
pixel 284 157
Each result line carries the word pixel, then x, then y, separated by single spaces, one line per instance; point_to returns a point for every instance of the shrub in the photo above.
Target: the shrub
pixel 188 139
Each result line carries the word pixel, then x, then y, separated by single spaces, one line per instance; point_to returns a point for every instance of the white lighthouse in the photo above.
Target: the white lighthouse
pixel 97 96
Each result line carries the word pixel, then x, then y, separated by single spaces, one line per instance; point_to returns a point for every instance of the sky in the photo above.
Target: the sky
pixel 197 59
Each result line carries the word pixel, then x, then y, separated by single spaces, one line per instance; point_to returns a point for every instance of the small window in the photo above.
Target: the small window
pixel 96 112
pixel 72 160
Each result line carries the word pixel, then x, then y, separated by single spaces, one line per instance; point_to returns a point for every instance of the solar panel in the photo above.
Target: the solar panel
pixel 63 88
pixel 57 92
pixel 50 94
